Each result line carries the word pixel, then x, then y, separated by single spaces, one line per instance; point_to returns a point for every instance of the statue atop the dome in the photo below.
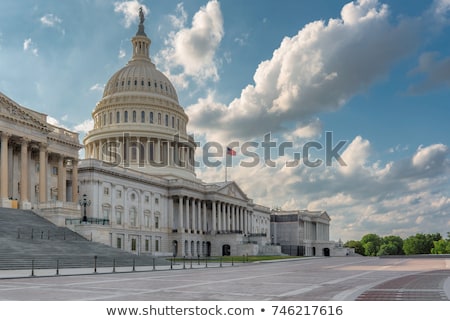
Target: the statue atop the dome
pixel 141 15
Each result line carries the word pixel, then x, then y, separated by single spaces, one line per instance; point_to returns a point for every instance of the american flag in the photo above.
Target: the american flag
pixel 230 151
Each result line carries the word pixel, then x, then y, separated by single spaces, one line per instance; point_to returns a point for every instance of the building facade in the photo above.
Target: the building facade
pixel 137 184
pixel 39 161
pixel 303 233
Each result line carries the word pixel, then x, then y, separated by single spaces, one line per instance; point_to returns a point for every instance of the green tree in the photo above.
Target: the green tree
pixel 392 245
pixel 371 244
pixel 441 247
pixel 420 243
pixel 355 245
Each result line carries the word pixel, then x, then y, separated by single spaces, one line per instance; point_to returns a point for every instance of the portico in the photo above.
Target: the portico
pixel 38 160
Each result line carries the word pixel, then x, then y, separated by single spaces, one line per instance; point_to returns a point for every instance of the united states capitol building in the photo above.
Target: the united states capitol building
pixel 136 189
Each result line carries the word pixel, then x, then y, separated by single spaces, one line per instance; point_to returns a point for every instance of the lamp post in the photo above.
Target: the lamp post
pixel 85 203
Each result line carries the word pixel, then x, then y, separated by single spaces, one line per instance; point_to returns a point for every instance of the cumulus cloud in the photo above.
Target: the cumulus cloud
pixel 311 72
pixel 29 45
pixel 50 20
pixel 436 73
pixel 193 49
pixel 85 126
pixel 130 11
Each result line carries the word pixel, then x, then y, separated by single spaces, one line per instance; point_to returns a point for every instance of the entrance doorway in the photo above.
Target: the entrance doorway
pixel 226 250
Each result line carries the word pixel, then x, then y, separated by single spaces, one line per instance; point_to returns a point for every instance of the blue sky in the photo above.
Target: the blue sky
pixel 374 73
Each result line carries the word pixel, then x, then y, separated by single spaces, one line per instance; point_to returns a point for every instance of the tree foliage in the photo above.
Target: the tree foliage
pixel 355 245
pixel 374 245
pixel 420 243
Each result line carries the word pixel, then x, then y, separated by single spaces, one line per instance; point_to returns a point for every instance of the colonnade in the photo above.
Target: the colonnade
pixel 26 145
pixel 141 150
pixel 223 218
pixel 315 231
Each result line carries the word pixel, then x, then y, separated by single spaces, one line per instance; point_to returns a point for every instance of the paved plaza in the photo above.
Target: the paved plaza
pixel 317 279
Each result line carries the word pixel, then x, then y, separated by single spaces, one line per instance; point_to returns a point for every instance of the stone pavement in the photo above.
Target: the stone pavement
pixel 316 279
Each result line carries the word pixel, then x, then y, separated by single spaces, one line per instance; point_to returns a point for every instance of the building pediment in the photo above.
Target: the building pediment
pixel 13 112
pixel 231 189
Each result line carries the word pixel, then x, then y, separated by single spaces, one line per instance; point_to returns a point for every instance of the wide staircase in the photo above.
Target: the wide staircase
pixel 29 241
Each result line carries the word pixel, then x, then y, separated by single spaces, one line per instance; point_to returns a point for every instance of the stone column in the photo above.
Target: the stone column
pixel 233 218
pixel 199 216
pixel 188 222
pixel 75 182
pixel 205 226
pixel 213 218
pixel 61 180
pixel 241 221
pixel 194 217
pixel 219 216
pixel 228 217
pixel 24 170
pixel 4 164
pixel 180 217
pixel 42 173
pixel 158 151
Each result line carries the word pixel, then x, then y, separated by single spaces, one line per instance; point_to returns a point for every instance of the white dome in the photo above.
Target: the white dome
pixel 140 75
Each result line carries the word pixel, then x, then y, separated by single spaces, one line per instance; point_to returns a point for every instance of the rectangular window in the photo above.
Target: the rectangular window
pixel 142 116
pixel 147 198
pixel 118 217
pixel 106 190
pixel 173 122
pixel 54 170
pixel 147 245
pixel 133 245
pixel 119 243
pixel 156 222
pixel 151 117
pixel 156 200
pixel 156 245
pixel 125 116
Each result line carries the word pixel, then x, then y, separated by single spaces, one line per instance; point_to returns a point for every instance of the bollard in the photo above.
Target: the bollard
pixel 114 265
pixel 95 264
pixel 191 262
pixel 232 261
pixel 206 261
pixel 171 264
pixel 220 261
pixel 57 266
pixel 184 262
pixel 32 267
pixel 198 260
pixel 154 264
pixel 134 265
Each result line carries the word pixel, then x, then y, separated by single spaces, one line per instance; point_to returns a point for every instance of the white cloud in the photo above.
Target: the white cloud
pixel 29 45
pixel 50 20
pixel 85 126
pixel 430 156
pixel 130 11
pixel 97 87
pixel 194 49
pixel 311 72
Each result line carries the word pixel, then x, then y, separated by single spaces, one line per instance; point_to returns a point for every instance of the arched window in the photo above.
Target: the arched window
pixel 125 116
pixel 142 116
pixel 118 117
pixel 151 117
pixel 134 116
pixel 167 120
pixel 173 122
pixel 159 118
